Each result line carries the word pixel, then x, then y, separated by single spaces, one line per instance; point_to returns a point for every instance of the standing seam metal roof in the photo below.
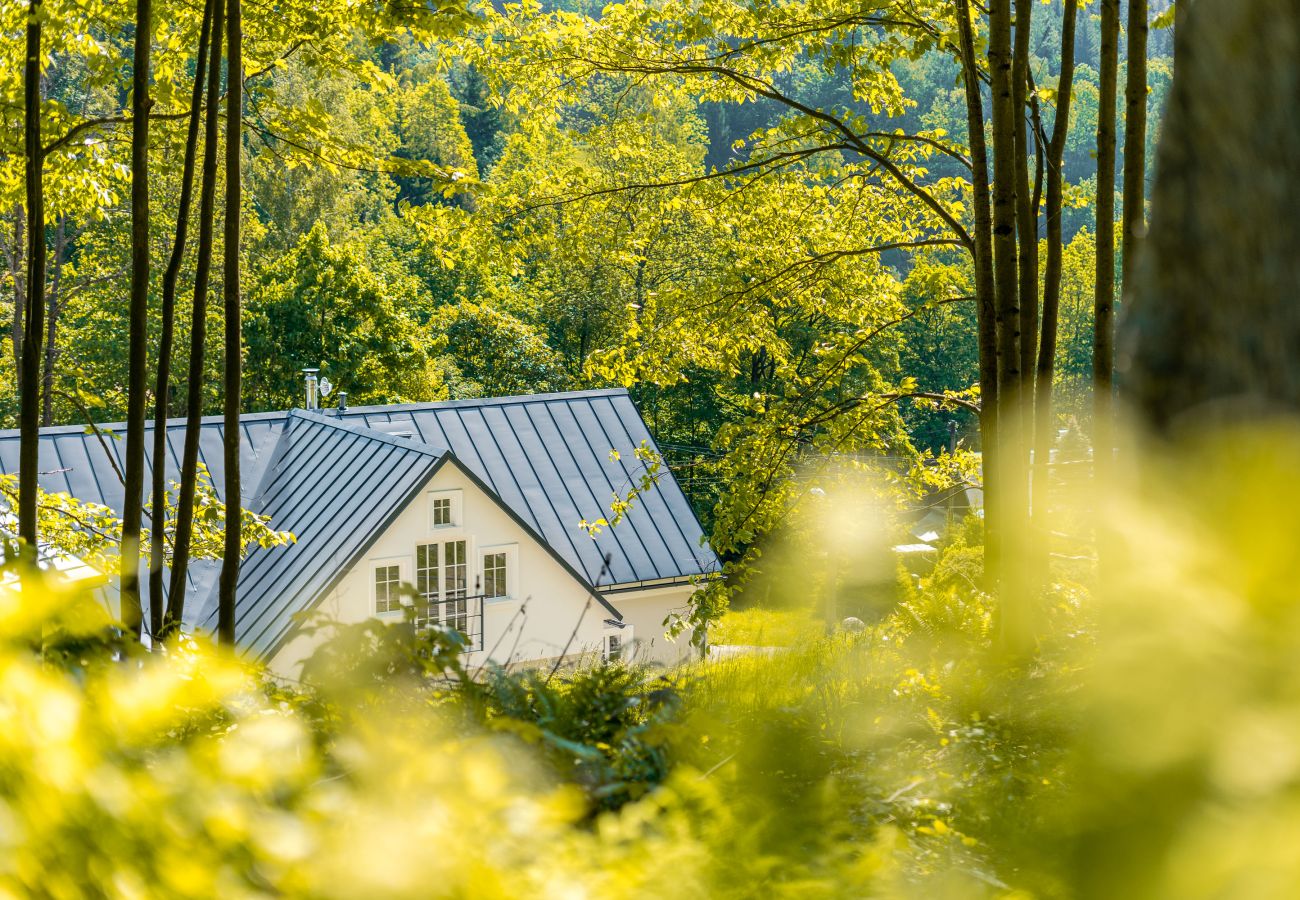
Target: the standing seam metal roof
pixel 552 460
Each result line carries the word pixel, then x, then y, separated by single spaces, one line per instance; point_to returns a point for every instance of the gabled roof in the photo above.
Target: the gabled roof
pixel 551 460
pixel 548 456
pixel 336 488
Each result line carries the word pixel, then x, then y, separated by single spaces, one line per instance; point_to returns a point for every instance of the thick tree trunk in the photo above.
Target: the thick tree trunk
pixel 1212 330
pixel 1135 137
pixel 1103 340
pixel 137 377
pixel 234 505
pixel 29 421
pixel 52 323
pixel 985 297
pixel 1044 424
pixel 184 529
pixel 162 387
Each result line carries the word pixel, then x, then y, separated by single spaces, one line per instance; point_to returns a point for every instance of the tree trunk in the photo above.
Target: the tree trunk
pixel 1005 119
pixel 137 377
pixel 52 323
pixel 1026 209
pixel 1212 331
pixel 1013 486
pixel 985 296
pixel 1044 424
pixel 162 387
pixel 29 412
pixel 1135 137
pixel 17 260
pixel 234 505
pixel 1103 340
pixel 198 337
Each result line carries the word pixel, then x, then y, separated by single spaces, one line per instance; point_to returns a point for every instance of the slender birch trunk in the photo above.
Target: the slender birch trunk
pixel 29 412
pixel 184 529
pixel 163 385
pixel 1103 344
pixel 234 505
pixel 1135 137
pixel 138 341
pixel 1044 424
pixel 54 306
pixel 985 297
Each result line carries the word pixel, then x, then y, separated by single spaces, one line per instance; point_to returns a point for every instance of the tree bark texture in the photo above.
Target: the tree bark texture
pixel 1044 424
pixel 234 111
pixel 162 386
pixel 1214 324
pixel 985 294
pixel 137 376
pixel 1135 137
pixel 184 528
pixel 1103 339
pixel 29 412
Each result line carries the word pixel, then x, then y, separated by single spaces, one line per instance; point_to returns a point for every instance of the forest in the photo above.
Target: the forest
pixel 851 261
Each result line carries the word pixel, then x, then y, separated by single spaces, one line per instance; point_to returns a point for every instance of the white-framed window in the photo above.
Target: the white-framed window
pixel 497 565
pixel 442 579
pixel 616 643
pixel 386 580
pixel 496 582
pixel 444 509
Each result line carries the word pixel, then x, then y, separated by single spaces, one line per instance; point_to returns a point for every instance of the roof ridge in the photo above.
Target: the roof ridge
pixel 365 431
pixel 509 400
pixel 272 415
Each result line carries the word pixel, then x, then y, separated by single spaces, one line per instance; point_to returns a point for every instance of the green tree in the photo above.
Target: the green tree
pixel 322 305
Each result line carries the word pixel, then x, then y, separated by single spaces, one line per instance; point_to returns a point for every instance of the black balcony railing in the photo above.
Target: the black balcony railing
pixel 463 614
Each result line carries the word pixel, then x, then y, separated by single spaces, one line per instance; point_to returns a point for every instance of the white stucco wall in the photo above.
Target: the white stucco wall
pixel 645 610
pixel 547 611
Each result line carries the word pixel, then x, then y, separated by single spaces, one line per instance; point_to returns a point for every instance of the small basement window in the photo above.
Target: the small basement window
pixel 613 647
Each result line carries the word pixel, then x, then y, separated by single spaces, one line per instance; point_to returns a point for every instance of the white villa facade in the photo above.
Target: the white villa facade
pixel 467 510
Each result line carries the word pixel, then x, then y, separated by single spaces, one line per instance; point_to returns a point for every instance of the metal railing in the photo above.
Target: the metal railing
pixel 463 614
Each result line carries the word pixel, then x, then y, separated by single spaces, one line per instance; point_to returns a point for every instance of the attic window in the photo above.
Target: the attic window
pixel 441 511
pixel 444 509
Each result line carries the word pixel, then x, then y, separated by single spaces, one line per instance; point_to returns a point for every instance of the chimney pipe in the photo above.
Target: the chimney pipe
pixel 310 375
pixel 343 401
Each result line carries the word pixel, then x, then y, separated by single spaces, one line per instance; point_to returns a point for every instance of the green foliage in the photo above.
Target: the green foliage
pixel 92 533
pixel 758 627
pixel 321 305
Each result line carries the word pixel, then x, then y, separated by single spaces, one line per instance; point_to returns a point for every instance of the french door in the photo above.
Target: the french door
pixel 442 578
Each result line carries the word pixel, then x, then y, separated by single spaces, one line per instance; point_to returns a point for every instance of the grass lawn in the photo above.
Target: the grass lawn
pixel 767 628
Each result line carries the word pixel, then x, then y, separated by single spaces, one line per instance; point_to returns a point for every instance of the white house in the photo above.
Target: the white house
pixel 474 504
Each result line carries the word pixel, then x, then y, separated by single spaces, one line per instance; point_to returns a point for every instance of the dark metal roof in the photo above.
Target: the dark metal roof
pixel 337 488
pixel 547 458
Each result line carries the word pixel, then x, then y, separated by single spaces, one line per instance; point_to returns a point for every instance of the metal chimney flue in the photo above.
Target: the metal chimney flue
pixel 313 401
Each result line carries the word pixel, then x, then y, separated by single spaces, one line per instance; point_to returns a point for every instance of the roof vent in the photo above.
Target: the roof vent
pixel 312 387
pixel 316 389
